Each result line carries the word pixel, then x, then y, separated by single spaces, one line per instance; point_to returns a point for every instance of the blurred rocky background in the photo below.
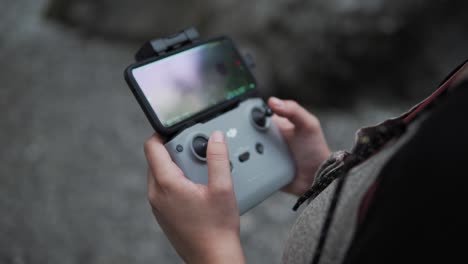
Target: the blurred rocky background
pixel 72 171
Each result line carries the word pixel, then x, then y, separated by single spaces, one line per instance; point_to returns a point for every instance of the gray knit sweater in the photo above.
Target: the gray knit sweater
pixel 304 235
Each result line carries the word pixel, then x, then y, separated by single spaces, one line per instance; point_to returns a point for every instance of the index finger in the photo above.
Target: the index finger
pixel 160 162
pixel 295 113
pixel 284 125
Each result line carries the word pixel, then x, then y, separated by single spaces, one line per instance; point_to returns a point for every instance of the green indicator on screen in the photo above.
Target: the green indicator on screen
pixel 252 85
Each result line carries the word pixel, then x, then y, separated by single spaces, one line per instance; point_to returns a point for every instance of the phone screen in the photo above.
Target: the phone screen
pixel 186 83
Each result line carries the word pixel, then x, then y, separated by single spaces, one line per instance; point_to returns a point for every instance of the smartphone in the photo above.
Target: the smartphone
pixel 191 85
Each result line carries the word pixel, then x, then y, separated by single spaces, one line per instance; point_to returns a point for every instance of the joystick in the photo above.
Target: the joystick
pixel 260 116
pixel 199 146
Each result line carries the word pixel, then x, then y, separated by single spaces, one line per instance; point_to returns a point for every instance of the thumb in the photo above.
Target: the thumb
pixel 296 114
pixel 217 157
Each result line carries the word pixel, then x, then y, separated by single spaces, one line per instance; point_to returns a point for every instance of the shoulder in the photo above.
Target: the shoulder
pixel 414 212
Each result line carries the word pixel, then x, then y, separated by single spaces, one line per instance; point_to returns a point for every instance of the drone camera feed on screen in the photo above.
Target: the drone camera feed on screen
pixel 181 85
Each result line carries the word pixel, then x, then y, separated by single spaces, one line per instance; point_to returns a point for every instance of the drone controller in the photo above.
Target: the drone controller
pixel 189 89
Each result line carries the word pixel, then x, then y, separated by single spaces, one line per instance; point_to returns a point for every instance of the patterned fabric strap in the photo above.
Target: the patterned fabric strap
pixel 369 140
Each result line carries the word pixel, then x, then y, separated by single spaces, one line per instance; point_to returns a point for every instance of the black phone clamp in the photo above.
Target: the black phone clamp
pixel 157 47
pixel 160 46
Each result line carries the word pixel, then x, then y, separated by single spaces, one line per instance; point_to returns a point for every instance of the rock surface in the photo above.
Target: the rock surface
pixel 328 50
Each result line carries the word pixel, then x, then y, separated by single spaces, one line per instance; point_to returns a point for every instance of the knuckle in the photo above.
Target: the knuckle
pixel 313 122
pixel 178 172
pixel 225 190
pixel 165 183
pixel 217 156
pixel 155 206
pixel 293 105
pixel 152 197
pixel 165 178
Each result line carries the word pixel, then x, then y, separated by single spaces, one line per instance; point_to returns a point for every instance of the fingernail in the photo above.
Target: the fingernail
pixel 218 137
pixel 276 102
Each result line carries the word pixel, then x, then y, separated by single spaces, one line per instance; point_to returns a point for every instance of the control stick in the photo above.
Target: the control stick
pixel 260 116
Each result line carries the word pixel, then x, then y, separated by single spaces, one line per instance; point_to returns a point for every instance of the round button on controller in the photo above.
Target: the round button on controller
pixel 199 146
pixel 179 148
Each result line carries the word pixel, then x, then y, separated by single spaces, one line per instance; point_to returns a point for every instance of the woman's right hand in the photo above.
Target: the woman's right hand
pixel 304 136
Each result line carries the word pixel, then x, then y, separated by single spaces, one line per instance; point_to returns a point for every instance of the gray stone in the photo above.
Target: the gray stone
pixel 319 52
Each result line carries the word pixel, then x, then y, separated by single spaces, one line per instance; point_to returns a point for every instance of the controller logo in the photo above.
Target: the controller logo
pixel 231 133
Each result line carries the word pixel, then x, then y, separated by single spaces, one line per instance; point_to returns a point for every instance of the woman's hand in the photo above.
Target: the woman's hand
pixel 201 221
pixel 305 139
